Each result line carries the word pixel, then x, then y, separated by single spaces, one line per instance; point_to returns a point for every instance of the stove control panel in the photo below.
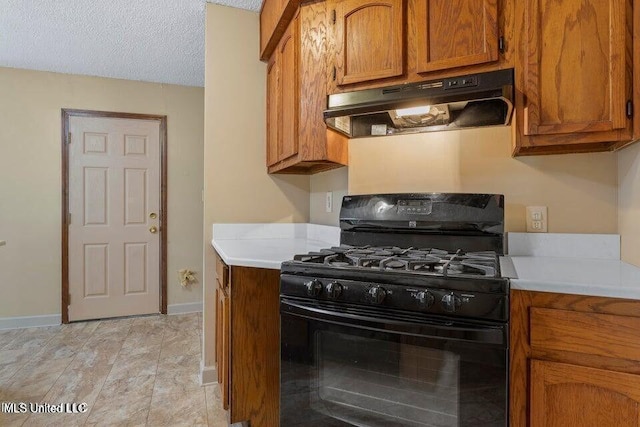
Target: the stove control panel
pixel 414 207
pixel 415 298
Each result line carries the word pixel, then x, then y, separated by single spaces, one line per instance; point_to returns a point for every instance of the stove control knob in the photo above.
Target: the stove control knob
pixel 334 290
pixel 314 287
pixel 425 299
pixel 451 302
pixel 377 294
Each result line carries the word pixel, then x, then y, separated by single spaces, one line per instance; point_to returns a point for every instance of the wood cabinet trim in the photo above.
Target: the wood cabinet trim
pixel 596 334
pixel 254 348
pixel 222 272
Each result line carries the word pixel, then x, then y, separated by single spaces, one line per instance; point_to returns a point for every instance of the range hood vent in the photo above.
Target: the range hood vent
pixel 474 100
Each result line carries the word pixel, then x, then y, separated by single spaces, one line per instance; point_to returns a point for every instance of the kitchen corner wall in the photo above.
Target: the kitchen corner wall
pixel 335 181
pixel 237 187
pixel 30 176
pixel 629 203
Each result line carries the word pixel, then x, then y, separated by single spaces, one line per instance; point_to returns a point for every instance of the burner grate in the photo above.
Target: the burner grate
pixel 430 261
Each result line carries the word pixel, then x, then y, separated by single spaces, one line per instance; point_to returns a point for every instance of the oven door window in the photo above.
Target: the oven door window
pixel 337 375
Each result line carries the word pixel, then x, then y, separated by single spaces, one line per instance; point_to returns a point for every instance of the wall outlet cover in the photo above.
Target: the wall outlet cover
pixel 537 219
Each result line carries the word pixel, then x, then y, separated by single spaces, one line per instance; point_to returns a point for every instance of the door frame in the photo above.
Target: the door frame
pixel 162 120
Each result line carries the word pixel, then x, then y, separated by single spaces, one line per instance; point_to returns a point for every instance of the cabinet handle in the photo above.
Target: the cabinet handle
pixel 629 108
pixel 333 16
pixel 501 44
pixel 334 73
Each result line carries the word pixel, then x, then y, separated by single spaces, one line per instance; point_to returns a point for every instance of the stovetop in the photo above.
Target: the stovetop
pixel 420 261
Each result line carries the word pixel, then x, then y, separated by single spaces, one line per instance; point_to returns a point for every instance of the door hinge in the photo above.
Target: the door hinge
pixel 501 44
pixel 334 72
pixel 69 138
pixel 333 16
pixel 629 108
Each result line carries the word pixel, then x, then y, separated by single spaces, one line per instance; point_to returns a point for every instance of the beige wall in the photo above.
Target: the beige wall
pixel 580 190
pixel 629 203
pixel 237 187
pixel 30 104
pixel 335 181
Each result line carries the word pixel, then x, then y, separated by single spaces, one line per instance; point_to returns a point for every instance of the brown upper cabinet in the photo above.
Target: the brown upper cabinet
pixel 453 34
pixel 297 138
pixel 369 39
pixel 275 16
pixel 576 69
pixel 387 42
pixel 282 96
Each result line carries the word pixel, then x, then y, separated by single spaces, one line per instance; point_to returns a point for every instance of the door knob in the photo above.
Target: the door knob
pixel 153 229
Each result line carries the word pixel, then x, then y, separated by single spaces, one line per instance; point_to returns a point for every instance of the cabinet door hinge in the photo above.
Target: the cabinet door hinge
pixel 501 44
pixel 333 16
pixel 334 73
pixel 69 138
pixel 629 108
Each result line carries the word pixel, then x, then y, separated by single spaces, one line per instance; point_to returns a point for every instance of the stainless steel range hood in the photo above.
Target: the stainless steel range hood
pixel 474 100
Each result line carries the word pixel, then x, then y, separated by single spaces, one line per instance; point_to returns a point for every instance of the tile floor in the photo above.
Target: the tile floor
pixel 130 372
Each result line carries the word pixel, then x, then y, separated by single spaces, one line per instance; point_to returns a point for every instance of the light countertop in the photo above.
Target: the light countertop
pixel 593 266
pixel 268 245
pixel 597 273
pixel 582 276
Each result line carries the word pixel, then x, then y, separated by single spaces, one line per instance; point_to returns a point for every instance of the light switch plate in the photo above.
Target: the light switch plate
pixel 537 219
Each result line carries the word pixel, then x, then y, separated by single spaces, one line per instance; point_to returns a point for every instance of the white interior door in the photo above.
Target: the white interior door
pixel 114 202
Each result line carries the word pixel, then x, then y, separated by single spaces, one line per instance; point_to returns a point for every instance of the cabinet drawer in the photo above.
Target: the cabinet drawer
pixel 587 333
pixel 222 272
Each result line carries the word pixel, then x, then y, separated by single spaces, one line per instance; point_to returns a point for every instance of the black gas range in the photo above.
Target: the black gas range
pixel 405 323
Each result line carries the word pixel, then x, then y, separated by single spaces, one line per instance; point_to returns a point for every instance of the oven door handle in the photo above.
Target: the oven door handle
pixel 395 324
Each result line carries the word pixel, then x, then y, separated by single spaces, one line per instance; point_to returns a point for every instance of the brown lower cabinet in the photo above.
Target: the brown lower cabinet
pixel 575 360
pixel 248 343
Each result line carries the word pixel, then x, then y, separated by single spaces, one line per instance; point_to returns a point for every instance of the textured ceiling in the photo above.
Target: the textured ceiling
pixel 148 40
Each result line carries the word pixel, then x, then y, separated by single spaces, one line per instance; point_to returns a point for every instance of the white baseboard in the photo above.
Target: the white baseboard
pixel 30 321
pixel 191 307
pixel 208 375
pixel 56 319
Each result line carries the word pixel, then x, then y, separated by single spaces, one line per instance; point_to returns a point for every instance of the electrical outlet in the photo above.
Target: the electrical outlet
pixel 329 202
pixel 537 219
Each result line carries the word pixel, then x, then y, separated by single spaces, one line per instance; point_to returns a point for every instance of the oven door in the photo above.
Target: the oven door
pixel 362 366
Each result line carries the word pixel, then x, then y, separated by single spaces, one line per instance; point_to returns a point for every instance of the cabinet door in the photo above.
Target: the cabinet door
pixel 369 40
pixel 273 108
pixel 225 345
pixel 218 335
pixel 288 53
pixel 577 66
pixel 565 395
pixel 455 33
